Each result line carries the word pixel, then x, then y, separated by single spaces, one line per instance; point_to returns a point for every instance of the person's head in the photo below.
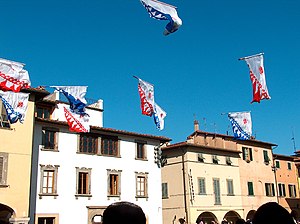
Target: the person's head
pixel 124 213
pixel 272 212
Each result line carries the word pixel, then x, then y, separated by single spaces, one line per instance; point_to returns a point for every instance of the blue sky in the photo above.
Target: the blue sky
pixel 195 71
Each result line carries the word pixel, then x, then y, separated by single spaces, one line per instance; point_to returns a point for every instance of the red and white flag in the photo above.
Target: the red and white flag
pixel 74 124
pixel 146 92
pixel 257 76
pixel 12 76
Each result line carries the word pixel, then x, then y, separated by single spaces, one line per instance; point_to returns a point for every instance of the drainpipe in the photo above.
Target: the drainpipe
pixel 184 187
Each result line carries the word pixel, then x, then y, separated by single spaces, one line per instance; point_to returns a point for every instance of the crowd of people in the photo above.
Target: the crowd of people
pixel 130 213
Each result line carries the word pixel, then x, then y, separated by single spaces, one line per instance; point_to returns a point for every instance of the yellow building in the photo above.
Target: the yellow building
pixel 15 163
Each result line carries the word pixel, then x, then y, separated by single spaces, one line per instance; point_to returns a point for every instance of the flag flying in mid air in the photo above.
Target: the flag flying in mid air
pixel 257 76
pixel 146 92
pixel 159 116
pixel 15 105
pixel 74 124
pixel 241 125
pixel 12 76
pixel 162 11
pixel 75 96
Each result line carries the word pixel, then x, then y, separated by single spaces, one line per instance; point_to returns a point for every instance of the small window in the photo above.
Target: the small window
pixel 200 157
pixel 48 180
pixel 266 157
pixel 217 192
pixel 164 187
pixel 3 168
pixel 46 220
pixel 114 183
pixel 281 190
pixel 289 165
pixel 49 139
pixel 109 146
pixel 270 190
pixel 4 122
pixel 230 187
pixel 43 112
pixel 292 191
pixel 83 181
pixel 277 164
pixel 141 151
pixel 228 161
pixel 247 154
pixel 141 185
pixel 201 184
pixel 250 189
pixel 88 144
pixel 215 159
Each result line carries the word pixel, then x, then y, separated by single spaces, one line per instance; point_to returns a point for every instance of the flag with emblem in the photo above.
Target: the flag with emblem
pixel 12 76
pixel 75 96
pixel 146 92
pixel 241 125
pixel 79 124
pixel 257 77
pixel 159 116
pixel 162 11
pixel 15 105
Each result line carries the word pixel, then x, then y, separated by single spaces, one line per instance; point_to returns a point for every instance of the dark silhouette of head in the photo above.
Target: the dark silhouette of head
pixel 124 213
pixel 272 212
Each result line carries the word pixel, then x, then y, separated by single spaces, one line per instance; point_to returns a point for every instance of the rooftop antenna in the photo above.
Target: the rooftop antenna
pixel 293 139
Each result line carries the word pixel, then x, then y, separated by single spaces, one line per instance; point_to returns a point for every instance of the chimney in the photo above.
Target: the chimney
pixel 196 125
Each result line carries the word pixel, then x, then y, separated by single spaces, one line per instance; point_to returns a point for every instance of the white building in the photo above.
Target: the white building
pixel 77 175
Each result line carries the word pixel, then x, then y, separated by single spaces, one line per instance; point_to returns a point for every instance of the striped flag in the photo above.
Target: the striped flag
pixel 74 124
pixel 162 11
pixel 241 125
pixel 146 92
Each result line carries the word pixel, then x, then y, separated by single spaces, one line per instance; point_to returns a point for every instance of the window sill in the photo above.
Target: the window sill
pixel 83 196
pixel 142 159
pixel 165 198
pixel 6 128
pixel 47 195
pixel 3 185
pixel 49 149
pixel 113 196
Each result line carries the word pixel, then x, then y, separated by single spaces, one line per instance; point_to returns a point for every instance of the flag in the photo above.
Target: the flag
pixel 241 125
pixel 146 92
pixel 162 11
pixel 12 76
pixel 74 124
pixel 75 96
pixel 15 105
pixel 159 116
pixel 257 76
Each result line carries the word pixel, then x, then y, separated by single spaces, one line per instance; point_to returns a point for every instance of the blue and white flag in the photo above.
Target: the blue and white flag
pixel 75 96
pixel 159 116
pixel 241 125
pixel 15 105
pixel 162 11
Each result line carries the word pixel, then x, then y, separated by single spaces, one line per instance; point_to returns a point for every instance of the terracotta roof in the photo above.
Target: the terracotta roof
pixel 284 157
pixel 228 137
pixel 108 130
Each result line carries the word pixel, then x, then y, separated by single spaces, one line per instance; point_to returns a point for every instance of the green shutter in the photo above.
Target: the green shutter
pixel 250 152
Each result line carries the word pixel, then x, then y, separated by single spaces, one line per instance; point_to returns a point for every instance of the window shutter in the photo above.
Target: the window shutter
pixel 1 168
pixel 244 153
pixel 202 189
pixel 250 153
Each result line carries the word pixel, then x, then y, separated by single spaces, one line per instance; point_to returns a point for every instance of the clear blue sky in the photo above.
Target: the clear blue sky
pixel 102 44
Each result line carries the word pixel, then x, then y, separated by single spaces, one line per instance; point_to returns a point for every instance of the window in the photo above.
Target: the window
pixel 201 158
pixel 48 180
pixel 83 181
pixel 215 159
pixel 270 191
pixel 289 165
pixel 201 184
pixel 3 168
pixel 250 189
pixel 4 122
pixel 292 191
pixel 49 139
pixel 46 220
pixel 228 161
pixel 230 187
pixel 281 190
pixel 114 183
pixel 164 187
pixel 217 193
pixel 109 146
pixel 88 144
pixel 141 185
pixel 141 151
pixel 277 164
pixel 266 157
pixel 247 154
pixel 43 112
